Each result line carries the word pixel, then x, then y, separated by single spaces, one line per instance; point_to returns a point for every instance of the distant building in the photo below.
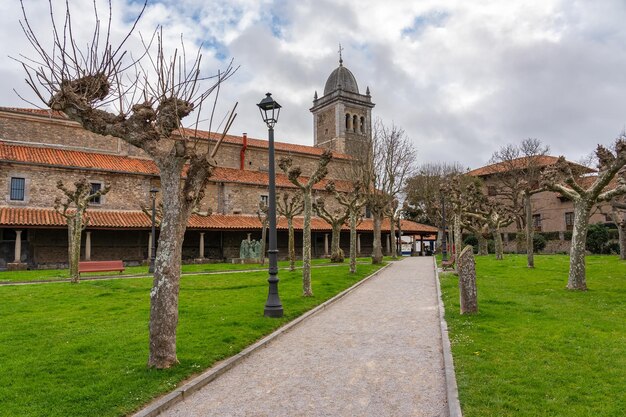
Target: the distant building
pixel 38 148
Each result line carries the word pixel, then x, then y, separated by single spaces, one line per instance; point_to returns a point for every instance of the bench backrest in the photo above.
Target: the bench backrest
pixel 86 265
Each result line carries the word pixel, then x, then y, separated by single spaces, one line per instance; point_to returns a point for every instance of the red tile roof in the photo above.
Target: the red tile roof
pixel 202 134
pixel 116 163
pixel 542 161
pixel 106 219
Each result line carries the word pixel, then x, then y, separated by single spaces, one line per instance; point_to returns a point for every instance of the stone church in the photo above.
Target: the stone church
pixel 40 147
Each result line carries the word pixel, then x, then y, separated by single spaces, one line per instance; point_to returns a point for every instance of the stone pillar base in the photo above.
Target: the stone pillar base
pixel 17 266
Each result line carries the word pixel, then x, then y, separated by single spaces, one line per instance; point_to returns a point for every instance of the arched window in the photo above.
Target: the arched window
pixel 348 120
pixel 362 125
pixel 355 122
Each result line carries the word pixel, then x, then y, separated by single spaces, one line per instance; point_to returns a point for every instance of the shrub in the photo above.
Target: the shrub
pixel 612 248
pixel 567 235
pixel 491 246
pixel 539 242
pixel 597 238
pixel 471 240
pixel 613 234
pixel 549 235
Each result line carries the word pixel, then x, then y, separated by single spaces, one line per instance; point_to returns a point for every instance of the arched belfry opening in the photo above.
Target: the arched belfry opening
pixel 342 115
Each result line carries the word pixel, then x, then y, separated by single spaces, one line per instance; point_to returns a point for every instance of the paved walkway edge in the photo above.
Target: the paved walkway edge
pixel 454 406
pixel 162 403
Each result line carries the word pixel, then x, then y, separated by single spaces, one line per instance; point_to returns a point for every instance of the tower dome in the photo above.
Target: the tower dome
pixel 342 78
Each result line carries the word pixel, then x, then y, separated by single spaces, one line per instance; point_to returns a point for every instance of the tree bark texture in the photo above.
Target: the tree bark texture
pixel 166 283
pixel 377 254
pixel 466 267
pixel 530 231
pixel 483 246
pixel 74 232
pixel 307 291
pixel 392 236
pixel 497 237
pixel 336 254
pixel 353 237
pixel 576 279
pixel 291 244
pixel 621 230
pixel 458 237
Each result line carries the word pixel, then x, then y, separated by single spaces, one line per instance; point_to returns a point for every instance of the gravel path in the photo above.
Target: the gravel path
pixel 376 352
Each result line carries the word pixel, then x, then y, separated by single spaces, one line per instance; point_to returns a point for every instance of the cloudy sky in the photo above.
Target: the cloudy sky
pixel 461 77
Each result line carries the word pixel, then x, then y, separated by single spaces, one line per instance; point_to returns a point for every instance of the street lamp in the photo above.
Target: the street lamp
pixel 444 243
pixel 153 193
pixel 270 110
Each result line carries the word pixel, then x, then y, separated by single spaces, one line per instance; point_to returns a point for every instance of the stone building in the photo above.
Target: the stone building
pixel 552 213
pixel 39 147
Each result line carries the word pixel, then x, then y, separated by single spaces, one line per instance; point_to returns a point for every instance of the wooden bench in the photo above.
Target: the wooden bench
pixel 449 264
pixel 100 266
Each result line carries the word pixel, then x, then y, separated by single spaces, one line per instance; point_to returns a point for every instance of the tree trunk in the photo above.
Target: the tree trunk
pixel 306 245
pixel 530 232
pixel 576 280
pixel 621 230
pixel 497 236
pixel 483 246
pixel 74 233
pixel 353 219
pixel 164 293
pixel 292 245
pixel 263 239
pixel 377 254
pixel 458 237
pixel 336 254
pixel 392 237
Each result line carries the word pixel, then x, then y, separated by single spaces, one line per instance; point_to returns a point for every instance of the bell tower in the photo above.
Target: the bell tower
pixel 342 117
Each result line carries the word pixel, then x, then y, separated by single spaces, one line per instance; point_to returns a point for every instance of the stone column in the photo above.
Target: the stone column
pixel 88 246
pixel 149 246
pixel 18 246
pixel 388 244
pixel 358 244
pixel 421 245
pixel 326 244
pixel 201 245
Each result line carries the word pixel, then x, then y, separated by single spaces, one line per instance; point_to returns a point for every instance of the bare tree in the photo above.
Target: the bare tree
pixel 391 161
pixel 353 202
pixel 618 214
pixel 73 208
pixel 518 179
pixel 153 94
pixel 336 219
pixel 290 207
pixel 562 179
pixel 293 173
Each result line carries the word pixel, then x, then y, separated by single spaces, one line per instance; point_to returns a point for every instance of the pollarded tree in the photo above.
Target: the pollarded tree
pixel 618 213
pixel 518 179
pixel 353 201
pixel 390 159
pixel 73 208
pixel 336 219
pixel 141 100
pixel 294 173
pixel 290 207
pixel 561 179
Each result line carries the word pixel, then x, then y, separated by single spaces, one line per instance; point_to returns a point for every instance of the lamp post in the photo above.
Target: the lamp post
pixel 270 110
pixel 153 193
pixel 444 243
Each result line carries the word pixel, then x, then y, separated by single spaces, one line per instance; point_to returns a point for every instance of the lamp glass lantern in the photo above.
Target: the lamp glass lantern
pixel 270 110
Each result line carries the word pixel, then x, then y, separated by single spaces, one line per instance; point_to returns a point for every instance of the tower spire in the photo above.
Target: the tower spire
pixel 340 57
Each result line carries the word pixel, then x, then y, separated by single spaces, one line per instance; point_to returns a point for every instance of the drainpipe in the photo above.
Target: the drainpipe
pixel 242 153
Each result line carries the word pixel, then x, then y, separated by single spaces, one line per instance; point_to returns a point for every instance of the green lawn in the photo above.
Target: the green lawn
pixel 59 274
pixel 536 349
pixel 81 350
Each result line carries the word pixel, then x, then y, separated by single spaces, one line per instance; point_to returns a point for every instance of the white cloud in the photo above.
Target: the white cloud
pixel 460 77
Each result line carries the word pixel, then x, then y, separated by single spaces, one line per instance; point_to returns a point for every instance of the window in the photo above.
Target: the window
pixel 18 186
pixel 368 212
pixel 95 187
pixel 537 222
pixel 362 125
pixel 355 122
pixel 348 120
pixel 265 200
pixel 569 220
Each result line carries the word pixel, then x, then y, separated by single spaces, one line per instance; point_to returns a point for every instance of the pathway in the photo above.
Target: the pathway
pixel 376 352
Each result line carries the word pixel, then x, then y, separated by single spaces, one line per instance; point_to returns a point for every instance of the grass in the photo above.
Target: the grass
pixel 536 349
pixel 59 274
pixel 81 350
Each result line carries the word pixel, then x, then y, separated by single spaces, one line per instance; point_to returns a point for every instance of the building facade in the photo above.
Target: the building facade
pixel 38 148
